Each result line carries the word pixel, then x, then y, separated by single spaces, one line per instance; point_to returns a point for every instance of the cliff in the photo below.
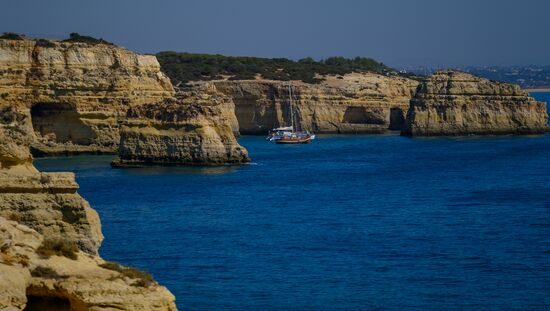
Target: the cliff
pixel 195 129
pixel 49 238
pixel 75 91
pixel 456 103
pixel 352 103
pixel 78 94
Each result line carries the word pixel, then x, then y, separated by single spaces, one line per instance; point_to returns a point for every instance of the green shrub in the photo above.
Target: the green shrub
pixel 116 64
pixel 45 272
pixel 76 37
pixel 144 279
pixel 45 43
pixel 11 36
pixel 58 247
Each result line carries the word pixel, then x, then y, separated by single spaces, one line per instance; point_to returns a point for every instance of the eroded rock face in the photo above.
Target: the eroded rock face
pixel 43 206
pixel 353 103
pixel 196 129
pixel 456 103
pixel 46 202
pixel 31 281
pixel 75 91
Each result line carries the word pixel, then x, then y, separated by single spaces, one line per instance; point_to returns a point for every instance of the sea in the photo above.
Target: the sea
pixel 365 222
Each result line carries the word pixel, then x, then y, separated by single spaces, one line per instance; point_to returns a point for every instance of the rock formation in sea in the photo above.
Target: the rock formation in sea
pixel 50 236
pixel 75 91
pixel 456 103
pixel 352 103
pixel 195 129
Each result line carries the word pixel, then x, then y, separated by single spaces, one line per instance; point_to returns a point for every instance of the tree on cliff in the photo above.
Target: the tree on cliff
pixel 76 37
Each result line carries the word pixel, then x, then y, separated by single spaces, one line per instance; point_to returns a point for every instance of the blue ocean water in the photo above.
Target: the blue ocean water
pixel 377 222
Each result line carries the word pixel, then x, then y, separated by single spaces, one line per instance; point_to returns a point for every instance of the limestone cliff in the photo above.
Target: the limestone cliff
pixel 195 129
pixel 353 103
pixel 76 90
pixel 48 247
pixel 456 103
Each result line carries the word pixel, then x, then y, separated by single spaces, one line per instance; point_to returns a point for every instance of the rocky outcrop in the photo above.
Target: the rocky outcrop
pixel 77 95
pixel 196 129
pixel 34 282
pixel 75 91
pixel 456 103
pixel 39 207
pixel 353 103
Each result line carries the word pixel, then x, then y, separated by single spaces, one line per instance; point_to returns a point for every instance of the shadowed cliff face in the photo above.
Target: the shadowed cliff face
pixel 62 122
pixel 455 103
pixel 354 103
pixel 76 90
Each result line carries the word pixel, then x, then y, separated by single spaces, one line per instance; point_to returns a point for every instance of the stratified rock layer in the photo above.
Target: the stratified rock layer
pixel 353 103
pixel 196 129
pixel 75 91
pixel 456 103
pixel 46 202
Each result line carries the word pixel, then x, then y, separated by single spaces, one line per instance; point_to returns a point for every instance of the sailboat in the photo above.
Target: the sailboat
pixel 290 134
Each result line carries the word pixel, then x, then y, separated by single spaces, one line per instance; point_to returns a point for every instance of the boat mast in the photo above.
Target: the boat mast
pixel 290 106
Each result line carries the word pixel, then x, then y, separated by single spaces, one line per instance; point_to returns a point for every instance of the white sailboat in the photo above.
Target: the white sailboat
pixel 290 134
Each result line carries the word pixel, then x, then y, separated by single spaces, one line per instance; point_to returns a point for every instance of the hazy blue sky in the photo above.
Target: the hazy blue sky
pixel 397 32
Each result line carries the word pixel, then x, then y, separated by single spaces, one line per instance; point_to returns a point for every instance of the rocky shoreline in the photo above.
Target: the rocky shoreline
pixel 79 94
pixel 73 98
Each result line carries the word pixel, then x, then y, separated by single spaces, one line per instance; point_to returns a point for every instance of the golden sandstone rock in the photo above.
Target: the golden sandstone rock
pixel 37 207
pixel 353 103
pixel 44 206
pixel 59 283
pixel 456 103
pixel 77 94
pixel 75 91
pixel 195 129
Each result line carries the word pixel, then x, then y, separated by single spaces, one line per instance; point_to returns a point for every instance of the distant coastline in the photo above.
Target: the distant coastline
pixel 538 90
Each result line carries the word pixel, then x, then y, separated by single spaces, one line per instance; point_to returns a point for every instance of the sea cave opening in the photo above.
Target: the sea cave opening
pixel 360 115
pixel 45 303
pixel 60 123
pixel 397 119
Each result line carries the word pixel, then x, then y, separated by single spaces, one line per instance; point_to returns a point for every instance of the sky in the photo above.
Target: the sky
pixel 400 33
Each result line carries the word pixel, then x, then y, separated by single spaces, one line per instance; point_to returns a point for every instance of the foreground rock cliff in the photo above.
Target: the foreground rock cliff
pixel 352 103
pixel 456 103
pixel 49 238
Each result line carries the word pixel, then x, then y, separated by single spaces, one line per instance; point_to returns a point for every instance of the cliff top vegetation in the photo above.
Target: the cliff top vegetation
pixel 185 67
pixel 73 37
pixel 12 36
pixel 76 37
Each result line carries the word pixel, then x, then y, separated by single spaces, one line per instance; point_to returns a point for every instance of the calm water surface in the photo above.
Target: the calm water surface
pixel 346 223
